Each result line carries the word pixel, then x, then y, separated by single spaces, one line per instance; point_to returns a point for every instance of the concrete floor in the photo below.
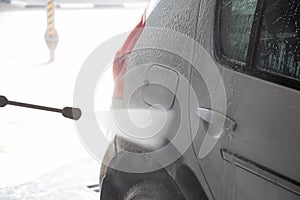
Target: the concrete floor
pixel 67 182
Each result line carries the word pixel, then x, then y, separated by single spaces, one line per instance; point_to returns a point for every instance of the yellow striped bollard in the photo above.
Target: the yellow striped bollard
pixel 51 36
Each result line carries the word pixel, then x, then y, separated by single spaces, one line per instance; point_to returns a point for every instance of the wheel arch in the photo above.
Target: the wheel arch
pixel 115 183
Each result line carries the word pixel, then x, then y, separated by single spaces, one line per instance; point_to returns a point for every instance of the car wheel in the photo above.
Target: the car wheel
pixel 150 190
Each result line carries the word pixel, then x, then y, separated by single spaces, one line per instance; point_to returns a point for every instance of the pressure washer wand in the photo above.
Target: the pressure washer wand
pixel 68 112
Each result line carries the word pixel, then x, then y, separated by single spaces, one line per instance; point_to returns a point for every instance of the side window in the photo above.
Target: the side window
pixel 278 48
pixel 236 19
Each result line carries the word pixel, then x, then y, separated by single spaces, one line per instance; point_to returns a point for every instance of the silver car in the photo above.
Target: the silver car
pixel 220 80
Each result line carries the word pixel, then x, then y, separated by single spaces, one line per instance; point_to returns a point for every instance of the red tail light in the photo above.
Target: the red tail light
pixel 119 68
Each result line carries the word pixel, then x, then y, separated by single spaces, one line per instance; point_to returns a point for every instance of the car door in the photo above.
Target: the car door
pixel 256 49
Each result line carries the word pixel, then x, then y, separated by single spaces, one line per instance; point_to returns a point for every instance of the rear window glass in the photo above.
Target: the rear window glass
pixel 278 49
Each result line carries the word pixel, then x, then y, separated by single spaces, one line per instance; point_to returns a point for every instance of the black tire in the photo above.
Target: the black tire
pixel 150 190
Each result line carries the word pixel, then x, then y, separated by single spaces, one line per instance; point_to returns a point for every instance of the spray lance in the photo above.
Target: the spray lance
pixel 68 112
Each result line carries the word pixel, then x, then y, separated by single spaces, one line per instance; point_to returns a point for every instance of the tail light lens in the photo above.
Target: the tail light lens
pixel 119 67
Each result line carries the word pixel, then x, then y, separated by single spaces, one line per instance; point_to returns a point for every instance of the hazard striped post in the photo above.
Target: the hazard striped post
pixel 51 36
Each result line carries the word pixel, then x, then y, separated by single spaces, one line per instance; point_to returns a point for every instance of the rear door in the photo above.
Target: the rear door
pixel 257 50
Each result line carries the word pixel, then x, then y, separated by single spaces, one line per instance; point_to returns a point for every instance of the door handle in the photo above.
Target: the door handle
pixel 219 124
pixel 206 115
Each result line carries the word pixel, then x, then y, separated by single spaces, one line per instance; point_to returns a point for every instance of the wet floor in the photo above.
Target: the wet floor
pixel 67 182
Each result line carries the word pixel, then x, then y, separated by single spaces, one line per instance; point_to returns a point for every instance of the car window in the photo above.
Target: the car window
pixel 278 48
pixel 236 19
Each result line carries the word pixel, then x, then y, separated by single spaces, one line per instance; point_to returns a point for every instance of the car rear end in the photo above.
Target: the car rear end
pixel 151 70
